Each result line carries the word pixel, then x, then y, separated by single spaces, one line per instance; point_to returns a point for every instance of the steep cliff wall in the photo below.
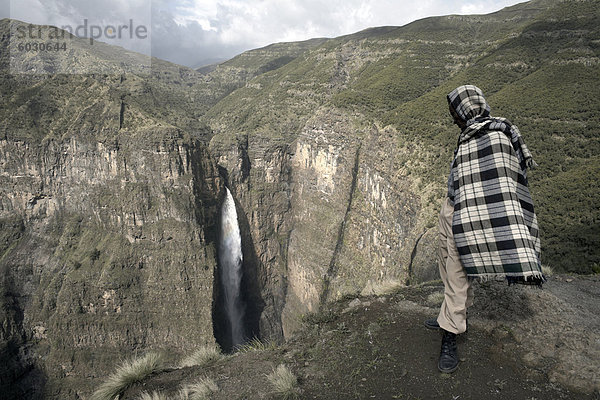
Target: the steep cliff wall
pixel 327 214
pixel 353 216
pixel 258 174
pixel 109 205
pixel 115 252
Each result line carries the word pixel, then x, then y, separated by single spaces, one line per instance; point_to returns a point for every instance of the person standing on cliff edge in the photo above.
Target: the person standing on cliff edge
pixel 488 228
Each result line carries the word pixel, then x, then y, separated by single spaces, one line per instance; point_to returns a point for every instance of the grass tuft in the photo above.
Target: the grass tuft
pixel 201 390
pixel 284 382
pixel 152 396
pixel 435 299
pixel 256 345
pixel 127 374
pixel 547 270
pixel 202 356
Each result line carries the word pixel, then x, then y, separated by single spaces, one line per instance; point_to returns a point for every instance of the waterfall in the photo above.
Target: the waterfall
pixel 230 256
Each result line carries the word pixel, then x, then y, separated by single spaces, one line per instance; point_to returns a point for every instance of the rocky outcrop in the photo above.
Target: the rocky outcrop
pixel 522 343
pixel 112 250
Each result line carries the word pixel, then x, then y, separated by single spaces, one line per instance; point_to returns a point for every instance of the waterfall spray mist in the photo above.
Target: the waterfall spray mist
pixel 230 256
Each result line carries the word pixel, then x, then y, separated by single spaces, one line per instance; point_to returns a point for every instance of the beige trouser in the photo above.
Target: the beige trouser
pixel 458 293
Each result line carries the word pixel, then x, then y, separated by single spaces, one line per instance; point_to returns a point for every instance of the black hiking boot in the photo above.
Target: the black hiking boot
pixel 432 324
pixel 448 356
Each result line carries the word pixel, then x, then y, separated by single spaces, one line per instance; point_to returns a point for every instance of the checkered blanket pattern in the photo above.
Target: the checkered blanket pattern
pixel 494 223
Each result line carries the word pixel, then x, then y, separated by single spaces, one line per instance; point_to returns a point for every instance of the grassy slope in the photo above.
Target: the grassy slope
pixel 157 95
pixel 35 106
pixel 259 61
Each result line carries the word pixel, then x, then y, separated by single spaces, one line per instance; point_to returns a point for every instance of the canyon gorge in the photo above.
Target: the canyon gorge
pixel 334 152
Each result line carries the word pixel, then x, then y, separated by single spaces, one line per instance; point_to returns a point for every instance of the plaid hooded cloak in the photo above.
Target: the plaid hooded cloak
pixel 494 224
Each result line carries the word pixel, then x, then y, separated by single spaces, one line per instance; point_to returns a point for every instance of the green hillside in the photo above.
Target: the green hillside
pixel 122 94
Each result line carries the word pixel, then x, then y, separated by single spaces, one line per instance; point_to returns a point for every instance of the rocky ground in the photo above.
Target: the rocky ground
pixel 522 343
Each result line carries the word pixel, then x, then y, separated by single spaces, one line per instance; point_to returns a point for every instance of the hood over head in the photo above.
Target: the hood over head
pixel 469 103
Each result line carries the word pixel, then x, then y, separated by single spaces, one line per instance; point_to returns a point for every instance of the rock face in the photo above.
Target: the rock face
pixel 113 251
pixel 109 221
pixel 326 217
pixel 353 221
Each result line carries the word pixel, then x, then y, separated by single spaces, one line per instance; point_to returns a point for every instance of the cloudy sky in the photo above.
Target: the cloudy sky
pixel 199 32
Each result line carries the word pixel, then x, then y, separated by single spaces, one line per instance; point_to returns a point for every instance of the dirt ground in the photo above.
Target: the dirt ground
pixel 522 343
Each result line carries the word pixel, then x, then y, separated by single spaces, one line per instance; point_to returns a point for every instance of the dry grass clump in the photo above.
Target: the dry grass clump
pixel 547 270
pixel 152 396
pixel 284 382
pixel 201 390
pixel 202 356
pixel 256 345
pixel 435 299
pixel 127 374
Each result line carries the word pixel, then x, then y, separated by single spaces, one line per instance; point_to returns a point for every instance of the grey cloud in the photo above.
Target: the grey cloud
pixel 189 44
